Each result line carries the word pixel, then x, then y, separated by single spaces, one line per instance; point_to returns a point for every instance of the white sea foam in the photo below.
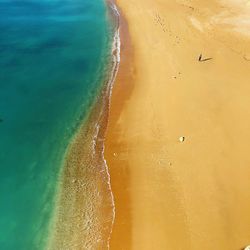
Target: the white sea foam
pixel 115 52
pixel 92 226
pixel 115 65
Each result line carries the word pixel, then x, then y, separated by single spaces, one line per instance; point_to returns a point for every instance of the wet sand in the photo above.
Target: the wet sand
pixel 170 193
pixel 84 211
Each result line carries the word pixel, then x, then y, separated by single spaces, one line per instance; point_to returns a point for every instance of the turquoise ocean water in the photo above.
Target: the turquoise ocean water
pixel 52 55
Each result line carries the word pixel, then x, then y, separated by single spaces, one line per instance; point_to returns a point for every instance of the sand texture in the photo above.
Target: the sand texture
pixel 178 137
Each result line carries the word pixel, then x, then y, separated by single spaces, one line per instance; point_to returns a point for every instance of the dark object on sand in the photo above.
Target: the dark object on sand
pixel 205 59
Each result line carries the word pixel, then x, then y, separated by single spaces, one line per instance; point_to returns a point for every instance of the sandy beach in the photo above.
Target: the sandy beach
pixel 177 142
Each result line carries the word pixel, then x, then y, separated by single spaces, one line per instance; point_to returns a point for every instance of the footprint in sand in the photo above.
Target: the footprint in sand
pixel 247 58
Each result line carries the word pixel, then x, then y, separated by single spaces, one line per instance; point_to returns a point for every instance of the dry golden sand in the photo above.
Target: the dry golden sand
pixel 193 194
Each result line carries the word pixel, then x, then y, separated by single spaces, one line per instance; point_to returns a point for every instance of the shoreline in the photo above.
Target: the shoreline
pixel 122 89
pixel 85 205
pixel 174 147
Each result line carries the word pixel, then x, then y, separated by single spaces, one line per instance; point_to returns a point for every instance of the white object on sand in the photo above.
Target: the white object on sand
pixel 247 248
pixel 182 139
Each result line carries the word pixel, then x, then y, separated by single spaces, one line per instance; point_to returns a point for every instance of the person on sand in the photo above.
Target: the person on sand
pixel 204 59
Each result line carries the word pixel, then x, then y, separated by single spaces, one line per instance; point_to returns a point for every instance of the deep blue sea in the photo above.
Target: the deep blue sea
pixel 52 55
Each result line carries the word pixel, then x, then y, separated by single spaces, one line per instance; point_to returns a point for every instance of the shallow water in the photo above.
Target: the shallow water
pixel 51 61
